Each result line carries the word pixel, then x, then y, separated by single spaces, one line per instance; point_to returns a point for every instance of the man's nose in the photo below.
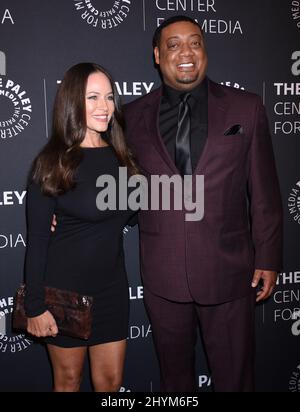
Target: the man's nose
pixel 186 49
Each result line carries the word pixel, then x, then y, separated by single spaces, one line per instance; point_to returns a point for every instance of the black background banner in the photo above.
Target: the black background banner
pixel 252 45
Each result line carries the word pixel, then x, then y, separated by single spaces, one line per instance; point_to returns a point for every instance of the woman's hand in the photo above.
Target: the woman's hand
pixel 42 325
pixel 53 224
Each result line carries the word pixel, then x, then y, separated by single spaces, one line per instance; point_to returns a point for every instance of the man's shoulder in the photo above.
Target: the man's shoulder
pixel 233 93
pixel 143 101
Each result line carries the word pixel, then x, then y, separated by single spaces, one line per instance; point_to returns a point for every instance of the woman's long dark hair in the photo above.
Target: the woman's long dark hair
pixel 54 167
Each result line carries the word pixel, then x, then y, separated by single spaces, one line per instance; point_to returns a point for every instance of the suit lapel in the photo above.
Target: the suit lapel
pixel 151 118
pixel 216 121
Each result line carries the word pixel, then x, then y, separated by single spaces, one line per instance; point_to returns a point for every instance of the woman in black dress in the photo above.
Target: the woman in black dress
pixel 85 253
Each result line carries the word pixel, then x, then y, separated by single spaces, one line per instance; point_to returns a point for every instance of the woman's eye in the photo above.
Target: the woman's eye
pixel 110 97
pixel 92 97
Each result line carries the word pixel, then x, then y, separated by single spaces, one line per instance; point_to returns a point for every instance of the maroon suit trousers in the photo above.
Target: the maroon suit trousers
pixel 228 336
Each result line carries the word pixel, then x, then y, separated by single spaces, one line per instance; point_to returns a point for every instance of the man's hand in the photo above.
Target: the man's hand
pixel 268 278
pixel 53 224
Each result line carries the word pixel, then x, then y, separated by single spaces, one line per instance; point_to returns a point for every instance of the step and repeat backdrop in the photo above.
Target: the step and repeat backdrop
pixel 252 45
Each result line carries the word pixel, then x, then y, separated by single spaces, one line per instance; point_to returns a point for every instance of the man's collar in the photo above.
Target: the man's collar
pixel 173 95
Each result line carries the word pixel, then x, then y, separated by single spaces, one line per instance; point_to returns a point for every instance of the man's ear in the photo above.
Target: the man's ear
pixel 156 55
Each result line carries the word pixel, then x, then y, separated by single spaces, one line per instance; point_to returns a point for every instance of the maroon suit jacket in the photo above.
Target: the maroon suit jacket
pixel 212 260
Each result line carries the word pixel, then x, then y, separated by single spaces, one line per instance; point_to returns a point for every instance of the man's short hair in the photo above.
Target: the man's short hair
pixel 166 23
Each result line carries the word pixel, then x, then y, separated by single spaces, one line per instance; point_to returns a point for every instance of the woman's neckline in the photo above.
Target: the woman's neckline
pixel 93 148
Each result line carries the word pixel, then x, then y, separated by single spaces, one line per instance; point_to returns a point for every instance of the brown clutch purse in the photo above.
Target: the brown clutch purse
pixel 71 311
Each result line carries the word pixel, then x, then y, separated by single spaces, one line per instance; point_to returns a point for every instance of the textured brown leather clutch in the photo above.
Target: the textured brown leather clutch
pixel 71 311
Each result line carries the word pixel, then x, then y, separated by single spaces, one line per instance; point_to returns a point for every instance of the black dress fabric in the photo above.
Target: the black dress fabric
pixel 84 254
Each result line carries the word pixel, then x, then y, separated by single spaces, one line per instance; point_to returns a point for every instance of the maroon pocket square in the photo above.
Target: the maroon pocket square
pixel 232 130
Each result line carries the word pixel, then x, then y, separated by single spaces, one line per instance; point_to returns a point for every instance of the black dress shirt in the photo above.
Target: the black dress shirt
pixel 168 116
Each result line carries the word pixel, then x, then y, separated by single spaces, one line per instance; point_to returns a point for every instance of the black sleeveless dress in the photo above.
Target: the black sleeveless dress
pixel 84 254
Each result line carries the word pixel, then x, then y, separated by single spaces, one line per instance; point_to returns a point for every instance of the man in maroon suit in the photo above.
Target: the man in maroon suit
pixel 206 271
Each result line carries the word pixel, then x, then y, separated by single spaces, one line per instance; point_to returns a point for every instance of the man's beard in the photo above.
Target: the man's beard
pixel 187 80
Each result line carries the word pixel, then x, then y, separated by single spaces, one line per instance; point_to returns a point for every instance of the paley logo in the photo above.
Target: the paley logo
pixel 235 85
pixel 12 240
pixel 296 325
pixel 131 88
pixel 204 381
pixel 134 89
pixel 139 331
pixel 2 64
pixel 15 105
pixel 12 197
pixel 294 382
pixel 136 293
pixel 294 203
pixel 123 389
pixel 295 11
pixel 200 7
pixel 6 17
pixel 296 65
pixel 287 109
pixel 9 342
pixel 108 15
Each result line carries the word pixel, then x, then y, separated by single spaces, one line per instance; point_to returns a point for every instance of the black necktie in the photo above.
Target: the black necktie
pixel 183 138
